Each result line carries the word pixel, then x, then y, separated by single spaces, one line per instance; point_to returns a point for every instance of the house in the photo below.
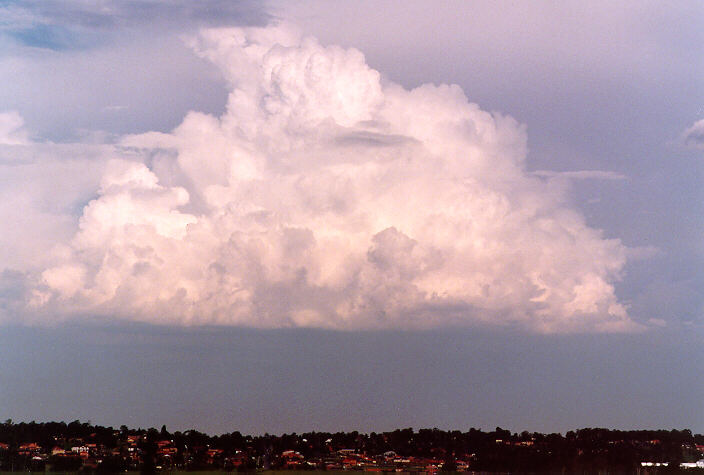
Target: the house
pixel 214 454
pixel 292 459
pixel 82 450
pixel 58 451
pixel 31 448
pixel 166 448
pixel 697 464
pixel 240 458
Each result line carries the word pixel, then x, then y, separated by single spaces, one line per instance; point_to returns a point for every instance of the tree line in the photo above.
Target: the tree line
pixel 586 450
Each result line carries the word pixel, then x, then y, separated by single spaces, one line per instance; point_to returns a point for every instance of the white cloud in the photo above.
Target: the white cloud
pixel 43 188
pixel 694 136
pixel 323 197
pixel 12 130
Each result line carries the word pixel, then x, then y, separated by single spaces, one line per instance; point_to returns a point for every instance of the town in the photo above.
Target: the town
pixel 76 446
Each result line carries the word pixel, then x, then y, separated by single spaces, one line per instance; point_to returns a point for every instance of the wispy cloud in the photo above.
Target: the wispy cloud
pixel 115 108
pixel 693 136
pixel 581 174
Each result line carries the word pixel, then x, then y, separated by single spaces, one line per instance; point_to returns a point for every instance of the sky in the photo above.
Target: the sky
pixel 290 216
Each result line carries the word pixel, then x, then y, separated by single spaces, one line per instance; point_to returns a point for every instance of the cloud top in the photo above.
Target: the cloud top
pixel 324 197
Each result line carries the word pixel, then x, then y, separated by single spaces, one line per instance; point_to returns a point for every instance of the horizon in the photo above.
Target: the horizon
pixel 514 433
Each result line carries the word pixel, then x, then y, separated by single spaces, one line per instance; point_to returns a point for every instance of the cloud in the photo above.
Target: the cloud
pixel 62 66
pixel 28 15
pixel 12 130
pixel 581 174
pixel 694 136
pixel 324 197
pixel 44 188
pixel 114 108
pixel 658 322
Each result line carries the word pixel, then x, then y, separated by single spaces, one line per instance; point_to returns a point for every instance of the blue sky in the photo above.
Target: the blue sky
pixel 131 110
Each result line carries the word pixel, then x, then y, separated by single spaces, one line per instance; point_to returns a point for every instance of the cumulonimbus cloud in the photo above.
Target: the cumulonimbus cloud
pixel 326 197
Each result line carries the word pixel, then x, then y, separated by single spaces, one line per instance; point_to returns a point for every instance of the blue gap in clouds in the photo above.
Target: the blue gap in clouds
pixel 51 37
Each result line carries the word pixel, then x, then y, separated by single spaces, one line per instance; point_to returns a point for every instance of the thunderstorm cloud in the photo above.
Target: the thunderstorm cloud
pixel 327 197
